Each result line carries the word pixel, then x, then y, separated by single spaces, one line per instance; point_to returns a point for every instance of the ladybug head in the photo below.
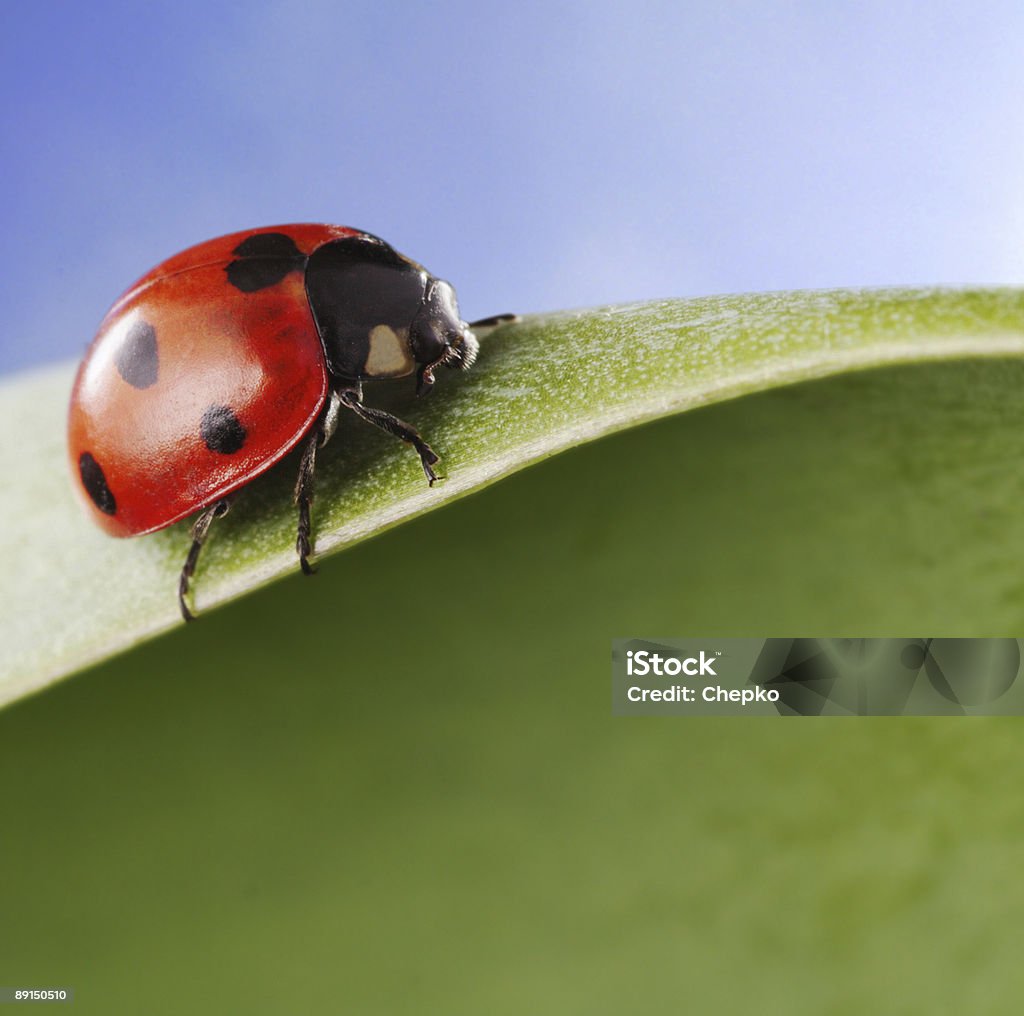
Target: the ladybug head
pixel 438 334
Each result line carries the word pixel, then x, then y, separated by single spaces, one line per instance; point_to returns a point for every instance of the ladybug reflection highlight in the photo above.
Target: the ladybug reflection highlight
pixel 225 357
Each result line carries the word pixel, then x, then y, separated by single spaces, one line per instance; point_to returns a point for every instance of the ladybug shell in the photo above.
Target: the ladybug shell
pixel 204 374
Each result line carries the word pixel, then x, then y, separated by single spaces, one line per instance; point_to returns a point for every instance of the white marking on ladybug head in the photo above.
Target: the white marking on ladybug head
pixel 389 355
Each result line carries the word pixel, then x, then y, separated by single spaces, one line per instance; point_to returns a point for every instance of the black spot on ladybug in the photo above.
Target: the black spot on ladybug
pixel 221 430
pixel 252 275
pixel 95 484
pixel 267 245
pixel 136 360
pixel 264 259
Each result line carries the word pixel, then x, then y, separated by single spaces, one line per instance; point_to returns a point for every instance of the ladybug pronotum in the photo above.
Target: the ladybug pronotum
pixel 223 358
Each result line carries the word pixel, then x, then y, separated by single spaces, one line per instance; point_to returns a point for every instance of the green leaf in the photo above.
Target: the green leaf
pixel 73 596
pixel 398 787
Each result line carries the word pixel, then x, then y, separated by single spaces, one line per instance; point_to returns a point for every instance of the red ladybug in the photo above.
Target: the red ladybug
pixel 223 358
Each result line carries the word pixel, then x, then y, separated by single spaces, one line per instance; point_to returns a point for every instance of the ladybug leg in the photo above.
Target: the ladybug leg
pixel 304 498
pixel 200 528
pixel 352 399
pixel 304 485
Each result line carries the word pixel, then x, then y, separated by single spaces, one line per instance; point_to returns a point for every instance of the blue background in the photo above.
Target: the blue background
pixel 539 156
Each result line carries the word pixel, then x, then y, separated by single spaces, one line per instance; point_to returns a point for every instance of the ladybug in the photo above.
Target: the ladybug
pixel 223 358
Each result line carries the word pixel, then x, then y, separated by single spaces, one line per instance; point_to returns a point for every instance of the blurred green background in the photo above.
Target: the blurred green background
pixel 398 787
